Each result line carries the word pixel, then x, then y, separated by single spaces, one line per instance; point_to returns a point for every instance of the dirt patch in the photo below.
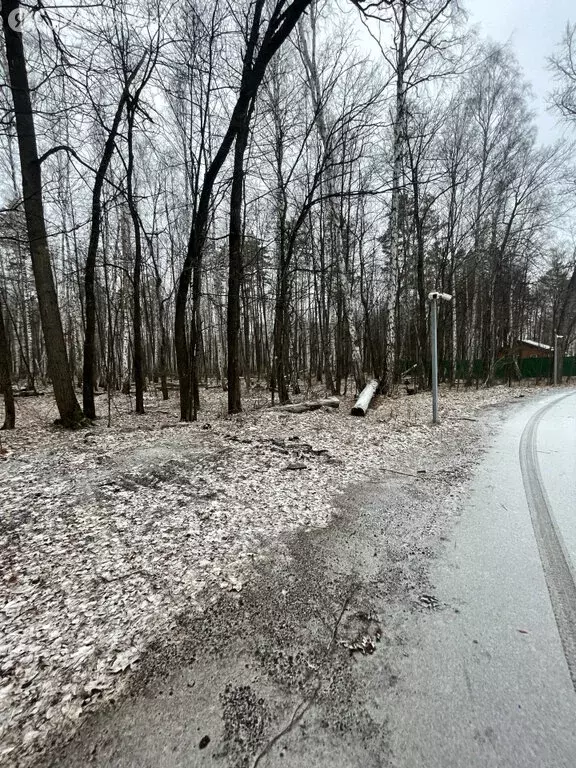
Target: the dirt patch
pixel 300 666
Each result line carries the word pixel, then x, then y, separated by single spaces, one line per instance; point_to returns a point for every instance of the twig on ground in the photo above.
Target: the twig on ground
pixel 297 715
pixel 462 418
pixel 398 472
pixel 341 616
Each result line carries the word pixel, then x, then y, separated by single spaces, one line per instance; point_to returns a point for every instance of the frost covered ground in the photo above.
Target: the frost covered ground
pixel 109 534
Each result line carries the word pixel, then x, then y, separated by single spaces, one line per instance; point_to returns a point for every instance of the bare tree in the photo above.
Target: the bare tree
pixel 563 67
pixel 276 211
pixel 6 376
pixel 30 166
pixel 280 23
pixel 88 377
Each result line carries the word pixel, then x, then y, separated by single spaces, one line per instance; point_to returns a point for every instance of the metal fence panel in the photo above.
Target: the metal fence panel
pixel 530 368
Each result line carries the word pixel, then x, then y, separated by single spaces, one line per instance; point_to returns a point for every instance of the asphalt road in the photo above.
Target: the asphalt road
pixel 493 684
pixel 471 625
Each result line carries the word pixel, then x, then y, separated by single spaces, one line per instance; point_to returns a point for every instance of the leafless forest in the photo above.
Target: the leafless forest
pixel 264 192
pixel 232 205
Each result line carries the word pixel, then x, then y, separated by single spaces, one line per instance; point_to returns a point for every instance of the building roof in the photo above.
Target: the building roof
pixel 536 344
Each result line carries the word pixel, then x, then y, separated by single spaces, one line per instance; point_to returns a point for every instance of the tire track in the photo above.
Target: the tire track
pixel 559 575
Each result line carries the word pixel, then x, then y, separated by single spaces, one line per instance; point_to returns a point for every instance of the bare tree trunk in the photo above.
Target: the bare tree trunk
pixel 70 412
pixel 137 272
pixel 90 266
pixel 285 19
pixel 281 330
pixel 137 320
pixel 344 285
pixel 163 352
pixel 235 266
pixel 6 377
pixel 397 156
pixel 281 333
pixel 454 320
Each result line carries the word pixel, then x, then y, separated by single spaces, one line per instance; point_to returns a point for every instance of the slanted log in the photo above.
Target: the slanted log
pixel 311 405
pixel 365 398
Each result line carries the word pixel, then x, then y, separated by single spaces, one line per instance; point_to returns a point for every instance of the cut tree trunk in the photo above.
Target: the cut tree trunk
pixel 311 405
pixel 365 398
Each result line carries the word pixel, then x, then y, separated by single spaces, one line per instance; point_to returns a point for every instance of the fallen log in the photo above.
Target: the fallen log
pixel 365 398
pixel 25 392
pixel 311 405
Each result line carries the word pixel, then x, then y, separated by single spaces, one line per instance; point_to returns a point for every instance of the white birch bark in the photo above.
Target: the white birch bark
pixel 308 53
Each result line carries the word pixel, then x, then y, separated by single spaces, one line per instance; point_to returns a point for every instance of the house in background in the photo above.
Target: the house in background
pixel 525 359
pixel 524 348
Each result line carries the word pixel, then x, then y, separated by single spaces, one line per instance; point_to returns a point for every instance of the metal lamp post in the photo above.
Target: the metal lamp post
pixel 433 298
pixel 556 337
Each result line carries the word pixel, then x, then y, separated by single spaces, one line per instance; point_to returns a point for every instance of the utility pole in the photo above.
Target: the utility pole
pixel 556 337
pixel 433 298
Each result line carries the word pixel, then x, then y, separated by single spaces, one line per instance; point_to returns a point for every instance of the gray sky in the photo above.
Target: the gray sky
pixel 534 28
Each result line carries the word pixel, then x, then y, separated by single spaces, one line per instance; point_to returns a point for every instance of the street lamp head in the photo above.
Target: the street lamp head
pixel 438 295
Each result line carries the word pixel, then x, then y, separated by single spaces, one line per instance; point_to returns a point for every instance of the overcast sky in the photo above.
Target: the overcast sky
pixel 534 28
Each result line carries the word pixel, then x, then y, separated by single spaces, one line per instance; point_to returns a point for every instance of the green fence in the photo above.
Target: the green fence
pixel 569 366
pixel 530 368
pixel 541 367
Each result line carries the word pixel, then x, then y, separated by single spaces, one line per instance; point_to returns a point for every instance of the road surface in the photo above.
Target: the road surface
pixel 493 685
pixel 472 627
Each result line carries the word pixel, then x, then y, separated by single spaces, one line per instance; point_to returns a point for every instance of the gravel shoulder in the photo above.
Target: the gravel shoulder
pixel 132 552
